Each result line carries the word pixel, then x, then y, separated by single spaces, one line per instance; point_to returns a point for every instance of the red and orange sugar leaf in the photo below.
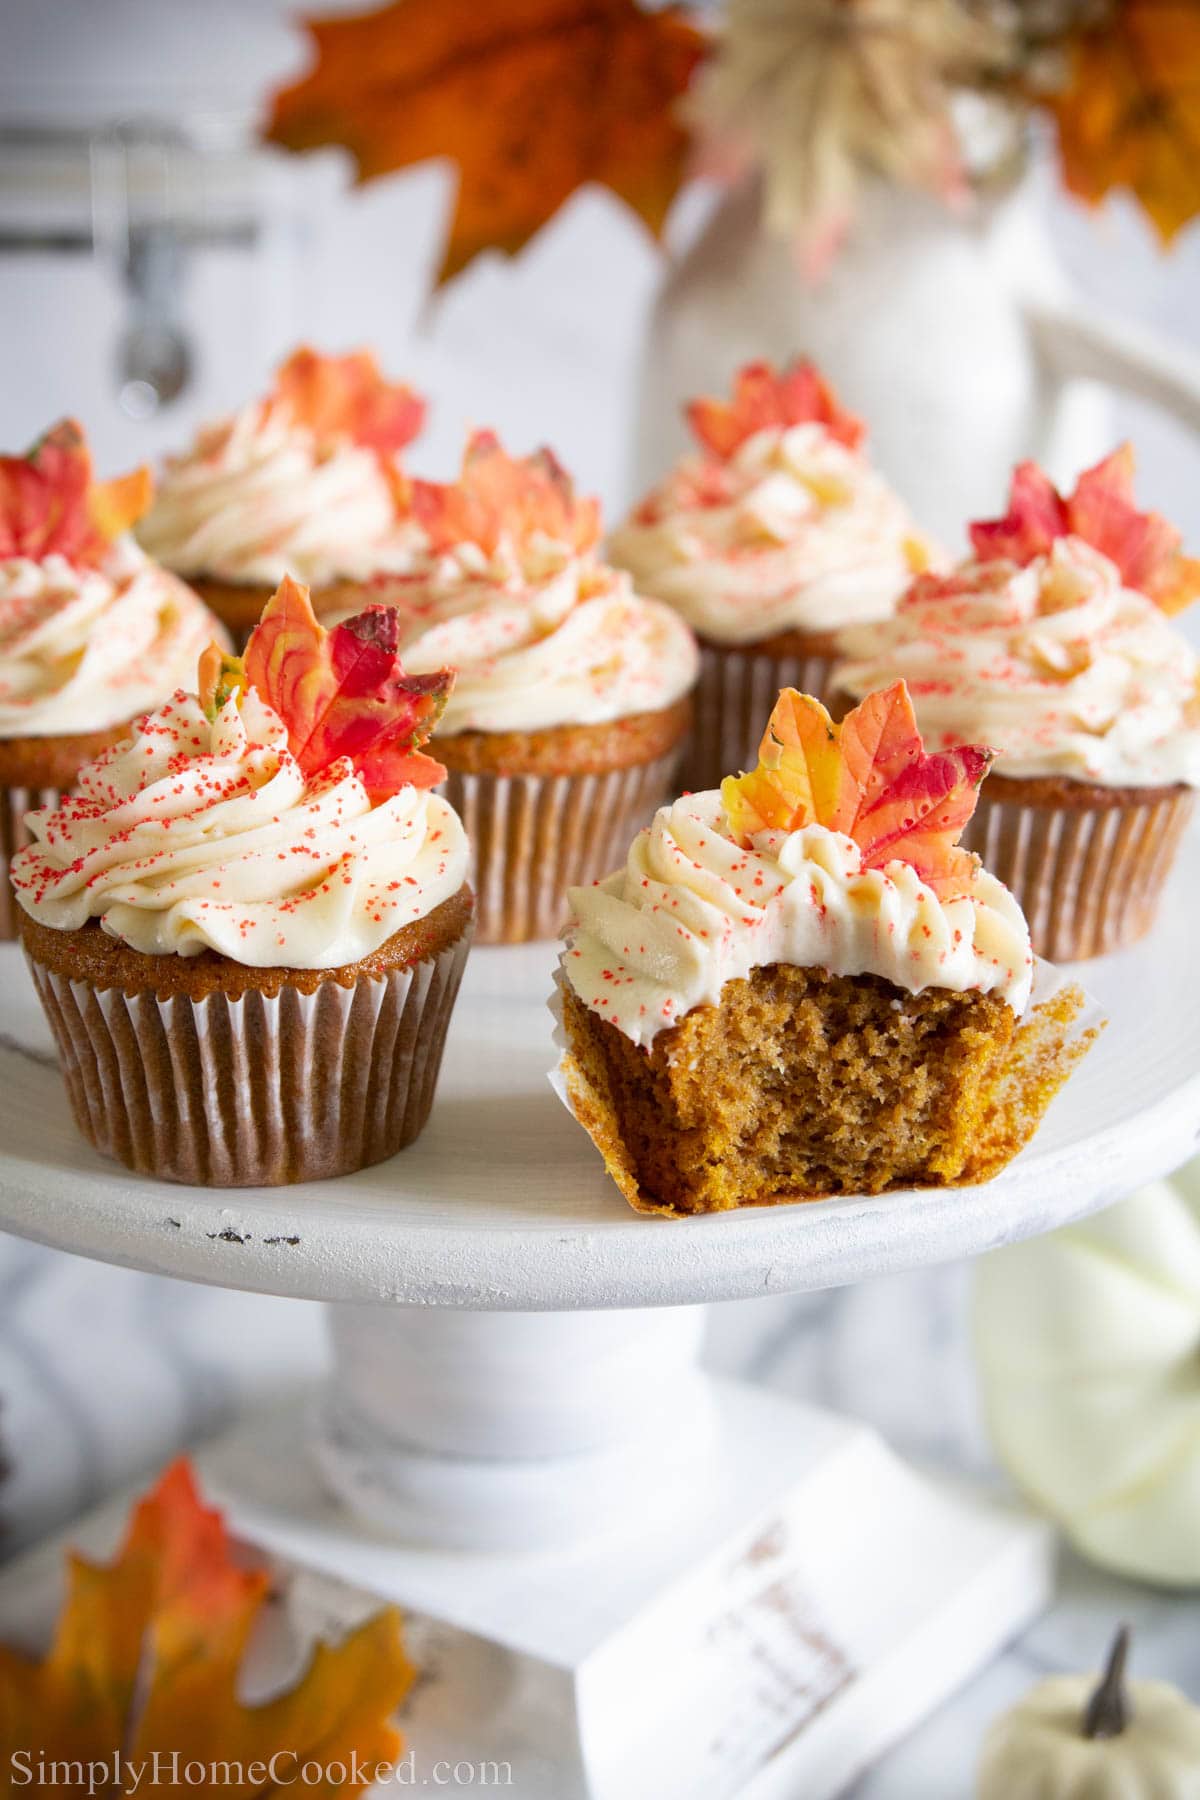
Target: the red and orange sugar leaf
pixel 50 504
pixel 1102 511
pixel 868 777
pixel 218 677
pixel 765 399
pixel 498 496
pixel 1037 514
pixel 348 397
pixel 147 1655
pixel 345 692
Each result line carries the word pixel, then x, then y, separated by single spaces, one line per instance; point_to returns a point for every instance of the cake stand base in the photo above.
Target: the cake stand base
pixel 734 1594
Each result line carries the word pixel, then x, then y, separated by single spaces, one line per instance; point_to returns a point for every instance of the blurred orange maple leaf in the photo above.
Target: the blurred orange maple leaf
pixel 146 1657
pixel 1126 117
pixel 530 99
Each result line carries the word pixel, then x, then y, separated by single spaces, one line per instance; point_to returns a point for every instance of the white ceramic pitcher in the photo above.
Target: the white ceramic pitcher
pixel 959 340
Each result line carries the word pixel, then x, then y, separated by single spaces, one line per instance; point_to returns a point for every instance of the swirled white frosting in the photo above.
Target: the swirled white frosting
pixel 208 836
pixel 258 497
pixel 692 910
pixel 794 533
pixel 571 644
pixel 1055 665
pixel 85 649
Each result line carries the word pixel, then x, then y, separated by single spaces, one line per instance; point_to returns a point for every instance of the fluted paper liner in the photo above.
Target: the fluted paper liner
pixel 256 1090
pixel 15 802
pixel 534 836
pixel 734 698
pixel 1087 878
pixel 1059 1026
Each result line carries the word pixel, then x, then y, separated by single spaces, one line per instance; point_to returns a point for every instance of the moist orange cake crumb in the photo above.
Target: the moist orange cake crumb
pixel 802 1085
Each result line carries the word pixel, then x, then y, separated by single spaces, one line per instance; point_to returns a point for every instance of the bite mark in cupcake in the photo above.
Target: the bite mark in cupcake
pixel 801 985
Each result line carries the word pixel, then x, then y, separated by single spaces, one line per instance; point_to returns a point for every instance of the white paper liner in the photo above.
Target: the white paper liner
pixel 566 1076
pixel 532 837
pixel 260 1089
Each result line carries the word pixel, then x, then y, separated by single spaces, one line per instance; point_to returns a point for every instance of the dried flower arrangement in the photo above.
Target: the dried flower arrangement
pixel 532 100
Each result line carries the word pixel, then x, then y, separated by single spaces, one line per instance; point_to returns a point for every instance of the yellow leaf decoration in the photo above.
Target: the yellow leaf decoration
pixel 530 99
pixel 146 1658
pixel 869 777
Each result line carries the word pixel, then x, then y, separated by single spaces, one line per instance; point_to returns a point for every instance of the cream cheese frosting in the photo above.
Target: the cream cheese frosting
pixel 692 909
pixel 258 497
pixel 1056 665
pixel 83 649
pixel 196 835
pixel 795 532
pixel 538 643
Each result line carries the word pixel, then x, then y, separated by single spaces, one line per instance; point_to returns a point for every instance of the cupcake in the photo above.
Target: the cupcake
pixel 768 540
pixel 249 922
pixel 799 985
pixel 91 632
pixel 304 482
pixel 571 701
pixel 1053 646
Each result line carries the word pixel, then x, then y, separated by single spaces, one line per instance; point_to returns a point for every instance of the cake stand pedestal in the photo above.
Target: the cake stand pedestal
pixel 642 1582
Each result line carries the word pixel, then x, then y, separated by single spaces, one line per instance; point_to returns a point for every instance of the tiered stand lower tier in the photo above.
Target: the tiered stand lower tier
pixel 649 1583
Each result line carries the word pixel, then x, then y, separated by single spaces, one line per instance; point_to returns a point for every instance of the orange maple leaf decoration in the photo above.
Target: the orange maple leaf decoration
pixel 765 398
pixel 1126 113
pixel 869 777
pixel 51 505
pixel 339 693
pixel 146 1658
pixel 1101 511
pixel 347 396
pixel 530 99
pixel 500 497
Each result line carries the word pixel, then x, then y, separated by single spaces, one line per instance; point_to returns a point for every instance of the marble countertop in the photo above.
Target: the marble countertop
pixel 105 1372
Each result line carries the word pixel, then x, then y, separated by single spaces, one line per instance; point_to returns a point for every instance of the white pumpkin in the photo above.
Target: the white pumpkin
pixel 1068 1740
pixel 1089 1351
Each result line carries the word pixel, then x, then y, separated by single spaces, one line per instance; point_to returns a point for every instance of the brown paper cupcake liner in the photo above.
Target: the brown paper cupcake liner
pixel 734 698
pixel 1087 877
pixel 534 836
pixel 260 1089
pixel 15 802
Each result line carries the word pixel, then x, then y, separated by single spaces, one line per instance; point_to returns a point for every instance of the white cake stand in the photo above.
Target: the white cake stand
pixel 702 1590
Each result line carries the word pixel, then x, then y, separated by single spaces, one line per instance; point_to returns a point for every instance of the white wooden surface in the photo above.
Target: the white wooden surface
pixel 503 1202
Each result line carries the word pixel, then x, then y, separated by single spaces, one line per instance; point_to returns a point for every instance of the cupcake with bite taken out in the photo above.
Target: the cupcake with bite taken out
pixel 92 633
pixel 572 694
pixel 1054 645
pixel 799 985
pixel 771 537
pixel 305 482
pixel 249 922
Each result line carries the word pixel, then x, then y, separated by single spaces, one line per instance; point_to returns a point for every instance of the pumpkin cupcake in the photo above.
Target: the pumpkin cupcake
pixel 91 632
pixel 304 482
pixel 1053 645
pixel 249 922
pixel 571 701
pixel 799 985
pixel 774 535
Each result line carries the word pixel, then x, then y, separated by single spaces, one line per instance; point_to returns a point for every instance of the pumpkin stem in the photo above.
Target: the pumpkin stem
pixel 1109 1710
